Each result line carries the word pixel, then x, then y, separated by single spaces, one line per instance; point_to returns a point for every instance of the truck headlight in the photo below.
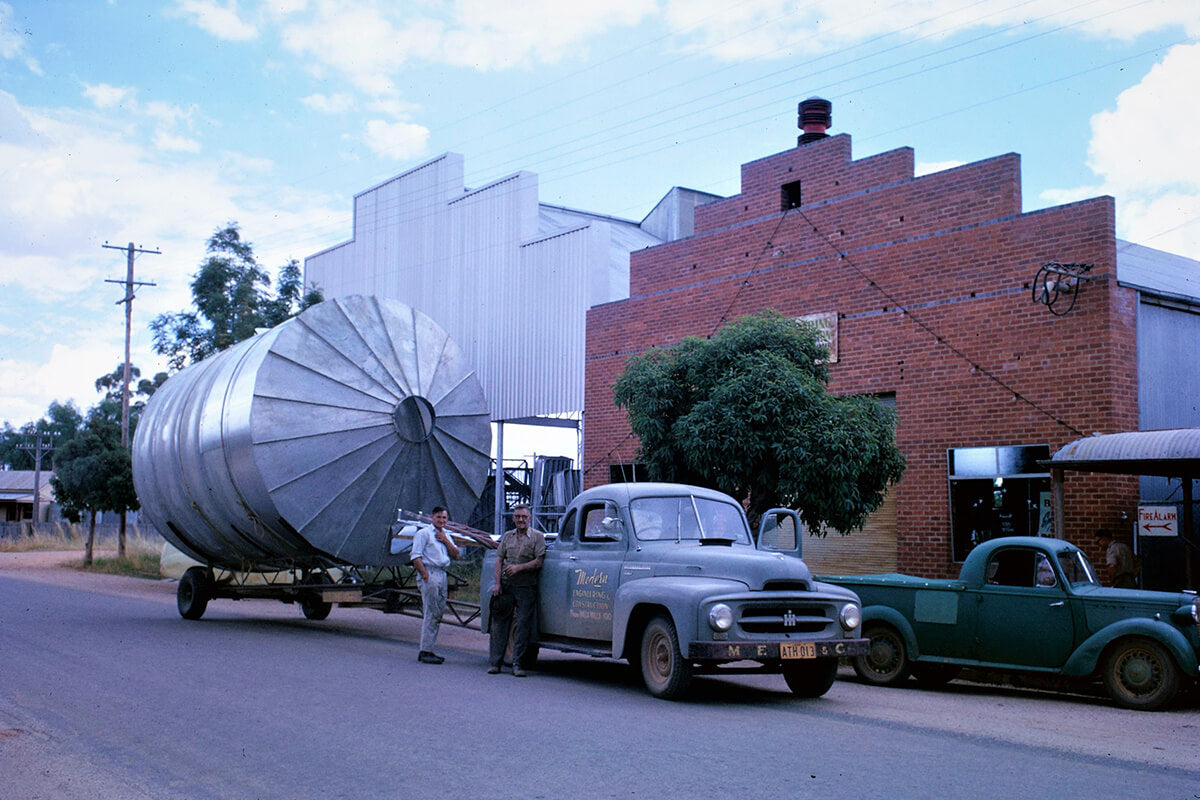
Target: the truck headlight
pixel 720 617
pixel 851 616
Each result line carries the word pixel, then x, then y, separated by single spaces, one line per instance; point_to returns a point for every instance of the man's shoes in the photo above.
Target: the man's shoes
pixel 493 670
pixel 518 672
pixel 427 657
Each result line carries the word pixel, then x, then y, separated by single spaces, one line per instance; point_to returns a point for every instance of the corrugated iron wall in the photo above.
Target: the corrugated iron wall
pixel 474 261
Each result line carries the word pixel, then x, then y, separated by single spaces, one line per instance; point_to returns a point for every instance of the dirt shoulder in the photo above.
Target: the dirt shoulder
pixel 60 567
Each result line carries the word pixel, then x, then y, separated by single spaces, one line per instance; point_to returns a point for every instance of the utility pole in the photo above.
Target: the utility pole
pixel 128 301
pixel 39 449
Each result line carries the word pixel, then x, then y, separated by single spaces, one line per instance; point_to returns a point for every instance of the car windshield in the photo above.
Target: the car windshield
pixel 1076 567
pixel 687 518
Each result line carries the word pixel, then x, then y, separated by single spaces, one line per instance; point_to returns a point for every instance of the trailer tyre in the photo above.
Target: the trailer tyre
pixel 664 670
pixel 886 663
pixel 312 605
pixel 1140 674
pixel 193 593
pixel 811 678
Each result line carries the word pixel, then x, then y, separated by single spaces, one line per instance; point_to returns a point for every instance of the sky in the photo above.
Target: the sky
pixel 158 123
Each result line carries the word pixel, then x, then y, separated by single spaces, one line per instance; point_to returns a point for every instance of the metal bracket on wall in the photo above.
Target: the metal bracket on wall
pixel 1057 285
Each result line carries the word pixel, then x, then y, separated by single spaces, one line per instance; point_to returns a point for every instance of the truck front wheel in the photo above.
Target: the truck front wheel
pixel 664 669
pixel 1140 674
pixel 811 678
pixel 886 663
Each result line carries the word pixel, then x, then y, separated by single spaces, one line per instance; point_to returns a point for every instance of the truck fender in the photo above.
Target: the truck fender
pixel 679 597
pixel 894 618
pixel 1086 658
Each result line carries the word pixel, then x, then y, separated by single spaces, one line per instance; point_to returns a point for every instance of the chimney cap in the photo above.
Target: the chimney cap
pixel 815 116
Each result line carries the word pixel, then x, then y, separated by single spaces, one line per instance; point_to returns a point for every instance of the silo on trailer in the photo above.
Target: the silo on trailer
pixel 296 447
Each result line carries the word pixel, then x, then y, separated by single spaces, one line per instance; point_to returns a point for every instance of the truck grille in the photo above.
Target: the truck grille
pixel 785 619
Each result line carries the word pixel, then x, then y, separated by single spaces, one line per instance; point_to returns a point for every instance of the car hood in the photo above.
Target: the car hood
pixel 756 569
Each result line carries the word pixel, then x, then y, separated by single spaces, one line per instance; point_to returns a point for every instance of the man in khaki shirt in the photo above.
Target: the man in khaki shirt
pixel 519 559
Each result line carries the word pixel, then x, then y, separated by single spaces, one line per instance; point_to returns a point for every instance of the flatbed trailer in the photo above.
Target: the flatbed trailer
pixel 390 588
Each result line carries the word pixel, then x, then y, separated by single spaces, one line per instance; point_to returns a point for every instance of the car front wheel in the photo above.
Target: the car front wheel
pixel 886 662
pixel 1140 674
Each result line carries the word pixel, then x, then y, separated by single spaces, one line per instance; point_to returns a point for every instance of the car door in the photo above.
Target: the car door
pixel 552 583
pixel 1024 615
pixel 586 570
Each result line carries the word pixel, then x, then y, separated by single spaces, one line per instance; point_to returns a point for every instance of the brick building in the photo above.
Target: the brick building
pixel 926 286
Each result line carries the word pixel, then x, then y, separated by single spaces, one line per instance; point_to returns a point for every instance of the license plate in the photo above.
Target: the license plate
pixel 797 650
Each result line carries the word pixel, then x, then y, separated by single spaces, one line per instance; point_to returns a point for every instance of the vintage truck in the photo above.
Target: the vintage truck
pixel 668 577
pixel 1034 605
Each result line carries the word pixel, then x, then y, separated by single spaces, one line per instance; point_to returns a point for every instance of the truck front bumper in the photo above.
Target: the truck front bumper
pixel 777 651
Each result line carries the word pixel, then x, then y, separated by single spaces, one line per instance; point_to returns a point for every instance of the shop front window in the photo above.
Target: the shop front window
pixel 997 491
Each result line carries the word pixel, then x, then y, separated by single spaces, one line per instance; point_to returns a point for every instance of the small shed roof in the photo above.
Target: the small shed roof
pixel 1171 453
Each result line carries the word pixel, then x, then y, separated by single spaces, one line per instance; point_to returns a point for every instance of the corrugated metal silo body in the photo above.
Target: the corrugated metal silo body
pixel 298 445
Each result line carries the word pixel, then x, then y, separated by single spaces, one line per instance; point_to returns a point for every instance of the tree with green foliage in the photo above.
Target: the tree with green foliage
pixel 93 472
pixel 747 412
pixel 232 298
pixel 58 426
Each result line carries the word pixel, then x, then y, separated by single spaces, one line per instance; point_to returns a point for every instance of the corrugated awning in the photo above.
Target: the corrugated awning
pixel 1171 453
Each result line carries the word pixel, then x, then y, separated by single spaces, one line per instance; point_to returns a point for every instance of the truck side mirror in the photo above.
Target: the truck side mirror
pixel 779 531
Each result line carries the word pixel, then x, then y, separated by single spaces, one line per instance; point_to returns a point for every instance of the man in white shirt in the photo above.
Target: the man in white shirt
pixel 432 551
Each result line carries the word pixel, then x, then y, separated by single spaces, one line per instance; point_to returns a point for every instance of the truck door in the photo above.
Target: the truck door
pixel 1024 613
pixel 577 593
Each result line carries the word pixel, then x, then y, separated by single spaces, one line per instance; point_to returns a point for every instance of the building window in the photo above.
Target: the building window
pixel 626 473
pixel 790 195
pixel 997 491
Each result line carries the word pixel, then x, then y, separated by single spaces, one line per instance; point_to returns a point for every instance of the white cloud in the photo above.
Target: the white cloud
pixel 398 140
pixel 755 29
pixel 222 21
pixel 338 103
pixel 13 40
pixel 1147 156
pixel 104 96
pixel 87 180
pixel 175 144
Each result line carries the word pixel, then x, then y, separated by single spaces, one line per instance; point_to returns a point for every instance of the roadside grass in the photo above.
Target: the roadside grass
pixel 141 557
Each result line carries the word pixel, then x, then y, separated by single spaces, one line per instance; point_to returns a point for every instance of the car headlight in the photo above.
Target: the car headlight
pixel 851 616
pixel 720 617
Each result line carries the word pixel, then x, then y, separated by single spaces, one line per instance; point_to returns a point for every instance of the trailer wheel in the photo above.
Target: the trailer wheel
pixel 810 678
pixel 886 663
pixel 193 593
pixel 664 670
pixel 312 605
pixel 1140 674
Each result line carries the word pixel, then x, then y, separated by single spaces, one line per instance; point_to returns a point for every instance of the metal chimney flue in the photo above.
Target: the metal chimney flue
pixel 815 117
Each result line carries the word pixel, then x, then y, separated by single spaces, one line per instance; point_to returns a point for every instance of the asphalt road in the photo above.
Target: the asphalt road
pixel 106 693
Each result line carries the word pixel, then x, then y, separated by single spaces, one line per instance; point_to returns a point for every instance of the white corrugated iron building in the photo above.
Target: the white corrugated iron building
pixel 509 278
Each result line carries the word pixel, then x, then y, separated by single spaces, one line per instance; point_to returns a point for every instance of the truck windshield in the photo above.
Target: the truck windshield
pixel 687 518
pixel 1076 567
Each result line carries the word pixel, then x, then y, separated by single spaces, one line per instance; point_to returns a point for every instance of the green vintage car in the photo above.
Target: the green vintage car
pixel 1024 604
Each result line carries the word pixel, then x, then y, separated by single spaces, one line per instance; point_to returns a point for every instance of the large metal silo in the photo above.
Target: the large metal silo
pixel 296 447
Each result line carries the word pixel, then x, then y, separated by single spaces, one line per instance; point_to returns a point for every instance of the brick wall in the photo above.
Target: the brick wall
pixel 931 280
